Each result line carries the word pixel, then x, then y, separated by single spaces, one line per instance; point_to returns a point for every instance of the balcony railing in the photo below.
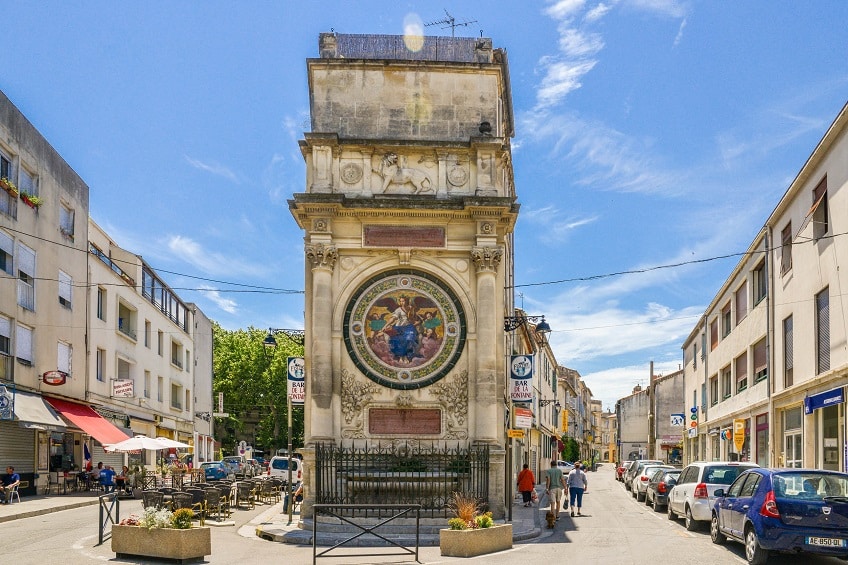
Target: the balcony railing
pixel 125 329
pixel 177 362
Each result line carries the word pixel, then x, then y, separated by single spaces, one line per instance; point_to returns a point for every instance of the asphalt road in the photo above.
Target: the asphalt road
pixel 615 530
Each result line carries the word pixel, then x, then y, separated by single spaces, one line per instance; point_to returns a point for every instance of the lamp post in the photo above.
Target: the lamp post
pixel 298 337
pixel 512 323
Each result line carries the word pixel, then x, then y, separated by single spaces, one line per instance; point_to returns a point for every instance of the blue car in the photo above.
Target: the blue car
pixel 214 470
pixel 784 510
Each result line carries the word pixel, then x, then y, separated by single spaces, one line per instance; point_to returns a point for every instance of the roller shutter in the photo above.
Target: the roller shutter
pixel 17 445
pixel 115 460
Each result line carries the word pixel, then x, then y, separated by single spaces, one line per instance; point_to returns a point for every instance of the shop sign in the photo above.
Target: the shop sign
pixel 521 378
pixel 7 402
pixel 677 420
pixel 54 378
pixel 824 399
pixel 523 417
pixel 739 434
pixel 517 434
pixel 296 381
pixel 693 432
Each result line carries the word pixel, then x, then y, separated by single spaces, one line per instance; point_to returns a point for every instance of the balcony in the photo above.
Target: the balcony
pixel 177 362
pixel 124 328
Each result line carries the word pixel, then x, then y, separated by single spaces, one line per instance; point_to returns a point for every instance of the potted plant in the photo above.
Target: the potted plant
pixel 163 534
pixel 9 187
pixel 472 532
pixel 31 200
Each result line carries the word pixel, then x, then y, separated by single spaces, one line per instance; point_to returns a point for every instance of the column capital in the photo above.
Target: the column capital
pixel 321 255
pixel 487 258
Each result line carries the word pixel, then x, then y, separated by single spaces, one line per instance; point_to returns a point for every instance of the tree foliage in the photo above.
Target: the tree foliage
pixel 570 450
pixel 253 381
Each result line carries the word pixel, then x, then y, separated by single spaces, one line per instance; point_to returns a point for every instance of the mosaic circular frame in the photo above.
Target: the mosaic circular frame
pixel 404 329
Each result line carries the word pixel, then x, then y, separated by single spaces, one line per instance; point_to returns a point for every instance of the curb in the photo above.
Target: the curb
pixel 42 511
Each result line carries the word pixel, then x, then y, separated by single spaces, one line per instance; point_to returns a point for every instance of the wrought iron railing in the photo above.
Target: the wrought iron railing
pixel 387 474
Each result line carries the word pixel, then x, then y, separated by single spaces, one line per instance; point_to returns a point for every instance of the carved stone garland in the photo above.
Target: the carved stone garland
pixel 355 394
pixel 453 395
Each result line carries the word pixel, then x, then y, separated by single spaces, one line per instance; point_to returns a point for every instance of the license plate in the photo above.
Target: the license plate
pixel 826 542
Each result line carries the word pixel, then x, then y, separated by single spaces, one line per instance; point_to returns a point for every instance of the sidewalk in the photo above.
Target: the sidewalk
pixel 45 504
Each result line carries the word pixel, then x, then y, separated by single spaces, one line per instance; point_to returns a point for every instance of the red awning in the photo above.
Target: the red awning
pixel 88 421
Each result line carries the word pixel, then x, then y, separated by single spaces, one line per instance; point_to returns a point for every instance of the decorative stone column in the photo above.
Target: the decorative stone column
pixel 322 258
pixel 488 397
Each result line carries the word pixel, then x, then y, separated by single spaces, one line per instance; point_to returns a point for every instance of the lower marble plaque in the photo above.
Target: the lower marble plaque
pixel 405 421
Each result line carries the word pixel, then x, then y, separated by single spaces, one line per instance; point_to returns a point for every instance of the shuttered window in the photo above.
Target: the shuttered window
pixel 788 356
pixel 786 249
pixel 741 372
pixel 823 331
pixel 741 302
pixel 64 358
pixel 66 221
pixel 23 343
pixel 819 210
pixel 713 334
pixel 65 288
pixel 26 260
pixel 760 361
pixel 5 335
pixel 7 253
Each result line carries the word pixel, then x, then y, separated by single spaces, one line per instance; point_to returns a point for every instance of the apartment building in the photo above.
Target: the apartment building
pixel 765 368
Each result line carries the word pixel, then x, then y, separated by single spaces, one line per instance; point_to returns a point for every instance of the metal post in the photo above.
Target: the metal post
pixel 289 486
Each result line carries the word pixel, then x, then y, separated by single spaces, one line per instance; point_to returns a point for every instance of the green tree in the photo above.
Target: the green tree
pixel 253 381
pixel 570 450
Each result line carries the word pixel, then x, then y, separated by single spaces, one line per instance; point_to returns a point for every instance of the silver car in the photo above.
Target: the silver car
pixel 694 493
pixel 639 484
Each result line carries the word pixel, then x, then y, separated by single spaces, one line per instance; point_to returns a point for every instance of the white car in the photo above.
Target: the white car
pixel 693 495
pixel 279 467
pixel 565 467
pixel 639 484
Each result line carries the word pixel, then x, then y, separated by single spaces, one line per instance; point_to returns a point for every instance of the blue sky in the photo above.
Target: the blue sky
pixel 649 133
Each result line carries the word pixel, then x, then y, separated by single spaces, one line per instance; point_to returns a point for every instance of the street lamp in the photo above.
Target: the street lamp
pixel 298 337
pixel 544 403
pixel 512 323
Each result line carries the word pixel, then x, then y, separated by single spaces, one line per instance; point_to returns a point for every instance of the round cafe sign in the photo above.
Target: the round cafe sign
pixel 404 329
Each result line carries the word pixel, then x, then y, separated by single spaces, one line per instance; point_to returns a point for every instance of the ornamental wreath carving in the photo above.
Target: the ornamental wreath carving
pixel 355 395
pixel 453 395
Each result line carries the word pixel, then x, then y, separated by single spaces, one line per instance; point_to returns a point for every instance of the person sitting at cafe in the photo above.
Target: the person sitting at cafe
pixel 10 480
pixel 107 479
pixel 121 479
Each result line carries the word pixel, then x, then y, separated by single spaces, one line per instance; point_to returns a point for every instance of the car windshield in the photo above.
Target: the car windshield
pixel 283 464
pixel 809 485
pixel 209 465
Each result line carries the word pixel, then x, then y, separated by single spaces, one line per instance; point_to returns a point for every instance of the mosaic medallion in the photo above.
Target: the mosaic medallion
pixel 404 329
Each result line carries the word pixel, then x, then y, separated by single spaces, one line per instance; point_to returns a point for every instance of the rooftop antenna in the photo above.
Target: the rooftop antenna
pixel 450 22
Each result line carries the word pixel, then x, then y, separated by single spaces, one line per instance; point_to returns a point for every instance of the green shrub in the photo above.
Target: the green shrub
pixel 181 520
pixel 457 524
pixel 484 520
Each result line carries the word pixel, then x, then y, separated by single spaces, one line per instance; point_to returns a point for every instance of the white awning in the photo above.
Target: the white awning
pixel 32 412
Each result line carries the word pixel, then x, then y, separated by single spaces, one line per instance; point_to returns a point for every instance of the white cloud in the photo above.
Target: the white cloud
pixel 211 263
pixel 679 36
pixel 563 9
pixel 615 383
pixel 597 12
pixel 213 295
pixel 671 8
pixel 214 168
pixel 561 77
pixel 576 43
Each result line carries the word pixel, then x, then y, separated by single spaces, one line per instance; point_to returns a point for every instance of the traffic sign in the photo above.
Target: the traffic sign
pixel 518 434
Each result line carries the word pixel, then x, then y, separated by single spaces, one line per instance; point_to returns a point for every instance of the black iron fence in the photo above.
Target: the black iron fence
pixel 110 513
pixel 386 474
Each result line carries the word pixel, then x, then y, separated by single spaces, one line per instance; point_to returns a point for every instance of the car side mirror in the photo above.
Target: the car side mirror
pixel 719 493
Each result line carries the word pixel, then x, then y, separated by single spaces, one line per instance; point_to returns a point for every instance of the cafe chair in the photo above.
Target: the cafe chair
pixel 13 494
pixel 152 498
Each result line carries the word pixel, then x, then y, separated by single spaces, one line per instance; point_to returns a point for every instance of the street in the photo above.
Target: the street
pixel 615 530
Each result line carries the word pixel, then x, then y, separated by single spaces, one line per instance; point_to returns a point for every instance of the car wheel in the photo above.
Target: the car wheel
pixel 671 514
pixel 639 497
pixel 691 524
pixel 647 502
pixel 754 553
pixel 715 534
pixel 633 494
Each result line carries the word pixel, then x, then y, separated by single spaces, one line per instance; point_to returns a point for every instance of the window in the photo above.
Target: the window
pixel 65 357
pixel 23 344
pixel 177 354
pixel 66 285
pixel 786 249
pixel 188 363
pixel 713 334
pixel 5 348
pixel 126 320
pixel 788 361
pixel 100 365
pixel 7 253
pixel 819 210
pixel 8 204
pixel 694 355
pixel 147 384
pixel 741 366
pixel 124 369
pixel 823 331
pixel 101 304
pixel 741 302
pixel 713 390
pixel 66 221
pixel 187 400
pixel 725 320
pixel 703 397
pixel 726 384
pixel 147 334
pixel 760 286
pixel 27 183
pixel 760 361
pixel 160 386
pixel 161 342
pixel 176 393
pixel 26 277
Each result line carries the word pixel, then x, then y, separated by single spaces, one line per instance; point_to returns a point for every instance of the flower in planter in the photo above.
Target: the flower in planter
pixel 181 519
pixel 132 520
pixel 466 510
pixel 9 186
pixel 153 518
pixel 31 200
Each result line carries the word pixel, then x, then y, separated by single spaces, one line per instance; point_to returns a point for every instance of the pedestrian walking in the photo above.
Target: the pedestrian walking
pixel 526 484
pixel 578 484
pixel 554 484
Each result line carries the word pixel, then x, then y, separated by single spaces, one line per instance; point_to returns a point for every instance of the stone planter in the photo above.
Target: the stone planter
pixel 469 543
pixel 167 543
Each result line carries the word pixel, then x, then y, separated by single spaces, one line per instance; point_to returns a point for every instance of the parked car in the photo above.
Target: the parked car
pixel 656 494
pixel 255 466
pixel 565 466
pixel 279 467
pixel 785 510
pixel 636 467
pixel 621 469
pixel 693 495
pixel 639 484
pixel 214 470
pixel 237 465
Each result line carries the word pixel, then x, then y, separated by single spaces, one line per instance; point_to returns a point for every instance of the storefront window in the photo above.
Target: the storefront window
pixel 762 440
pixel 792 444
pixel 830 437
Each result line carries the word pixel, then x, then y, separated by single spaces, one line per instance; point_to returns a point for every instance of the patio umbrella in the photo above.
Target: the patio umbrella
pixel 137 443
pixel 172 442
